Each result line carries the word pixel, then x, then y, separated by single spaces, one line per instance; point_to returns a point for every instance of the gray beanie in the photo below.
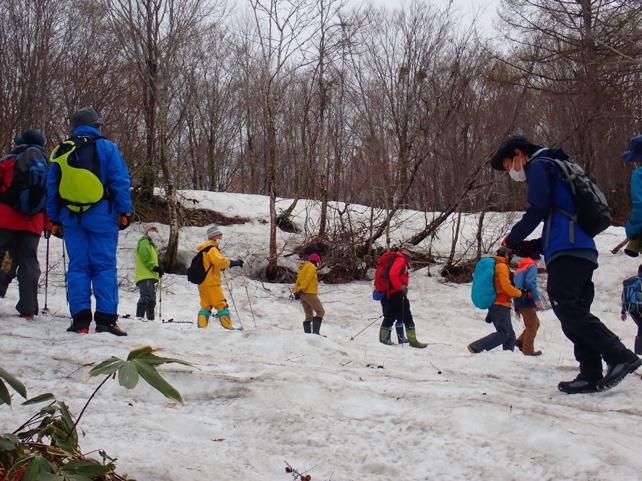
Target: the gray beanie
pixel 213 230
pixel 86 116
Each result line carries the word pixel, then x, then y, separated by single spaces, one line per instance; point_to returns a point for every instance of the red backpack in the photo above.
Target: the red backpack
pixel 382 274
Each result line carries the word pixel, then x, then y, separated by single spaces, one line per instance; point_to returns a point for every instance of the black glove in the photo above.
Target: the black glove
pixel 125 220
pixel 404 291
pixel 297 295
pixel 47 233
pixel 160 270
pixel 528 248
pixel 236 263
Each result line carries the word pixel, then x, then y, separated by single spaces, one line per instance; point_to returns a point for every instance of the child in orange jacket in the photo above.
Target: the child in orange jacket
pixel 499 312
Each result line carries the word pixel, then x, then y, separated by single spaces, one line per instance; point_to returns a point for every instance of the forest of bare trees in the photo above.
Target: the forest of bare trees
pixel 320 99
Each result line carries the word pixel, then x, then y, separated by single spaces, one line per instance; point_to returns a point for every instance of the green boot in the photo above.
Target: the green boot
pixel 412 339
pixel 384 336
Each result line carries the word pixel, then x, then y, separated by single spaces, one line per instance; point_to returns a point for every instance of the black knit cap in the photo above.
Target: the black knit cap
pixel 30 137
pixel 86 116
pixel 504 251
pixel 507 150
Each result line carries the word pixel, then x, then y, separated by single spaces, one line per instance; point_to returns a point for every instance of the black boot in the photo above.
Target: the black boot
pixel 307 327
pixel 316 324
pixel 107 323
pixel 638 345
pixel 81 321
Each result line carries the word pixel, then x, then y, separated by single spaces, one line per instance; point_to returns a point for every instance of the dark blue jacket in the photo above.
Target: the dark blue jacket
pixel 114 175
pixel 546 192
pixel 634 224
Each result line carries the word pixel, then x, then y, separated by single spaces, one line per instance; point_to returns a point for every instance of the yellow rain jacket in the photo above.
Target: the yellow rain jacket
pixel 213 262
pixel 306 281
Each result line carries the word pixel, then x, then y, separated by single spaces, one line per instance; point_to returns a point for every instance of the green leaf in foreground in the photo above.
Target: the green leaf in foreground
pixel 14 383
pixel 154 379
pixel 128 375
pixel 40 398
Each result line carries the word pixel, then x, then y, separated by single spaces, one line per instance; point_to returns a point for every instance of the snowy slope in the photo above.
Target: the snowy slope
pixel 343 409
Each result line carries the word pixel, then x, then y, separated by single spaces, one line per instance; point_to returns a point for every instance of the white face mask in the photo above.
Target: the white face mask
pixel 517 175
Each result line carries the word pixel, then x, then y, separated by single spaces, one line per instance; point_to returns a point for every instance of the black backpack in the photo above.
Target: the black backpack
pixel 28 190
pixel 593 212
pixel 196 273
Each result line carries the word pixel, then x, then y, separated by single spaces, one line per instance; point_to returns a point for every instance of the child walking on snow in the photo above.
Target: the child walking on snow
pixel 499 312
pixel 306 289
pixel 526 305
pixel 210 289
pixel 632 304
pixel 148 273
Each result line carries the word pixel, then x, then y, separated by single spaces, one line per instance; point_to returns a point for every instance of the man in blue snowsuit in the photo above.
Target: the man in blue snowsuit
pixel 633 226
pixel 91 236
pixel 571 257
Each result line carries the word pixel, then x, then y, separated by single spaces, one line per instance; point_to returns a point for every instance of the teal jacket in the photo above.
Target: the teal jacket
pixel 146 259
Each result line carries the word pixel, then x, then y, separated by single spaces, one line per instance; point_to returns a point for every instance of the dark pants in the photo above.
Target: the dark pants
pixel 571 291
pixel 504 335
pixel 24 246
pixel 396 308
pixel 147 299
pixel 637 318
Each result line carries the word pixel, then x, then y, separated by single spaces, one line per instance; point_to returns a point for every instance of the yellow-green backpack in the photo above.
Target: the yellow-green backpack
pixel 79 186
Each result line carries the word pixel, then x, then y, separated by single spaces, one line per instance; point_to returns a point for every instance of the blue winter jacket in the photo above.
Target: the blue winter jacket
pixel 526 278
pixel 546 192
pixel 634 224
pixel 102 216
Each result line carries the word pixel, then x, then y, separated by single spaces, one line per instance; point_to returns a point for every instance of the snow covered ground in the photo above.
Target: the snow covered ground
pixel 338 408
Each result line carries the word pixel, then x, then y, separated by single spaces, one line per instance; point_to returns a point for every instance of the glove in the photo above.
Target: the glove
pixel 404 291
pixel 236 263
pixel 623 316
pixel 57 231
pixel 46 232
pixel 297 295
pixel 529 248
pixel 160 270
pixel 524 292
pixel 125 220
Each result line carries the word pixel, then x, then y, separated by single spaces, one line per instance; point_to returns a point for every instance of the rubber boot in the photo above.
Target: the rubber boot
pixel 400 335
pixel 224 319
pixel 316 324
pixel 638 345
pixel 203 318
pixel 412 339
pixel 307 327
pixel 384 336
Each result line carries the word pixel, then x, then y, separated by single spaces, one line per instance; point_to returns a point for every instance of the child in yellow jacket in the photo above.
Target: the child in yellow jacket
pixel 210 289
pixel 306 289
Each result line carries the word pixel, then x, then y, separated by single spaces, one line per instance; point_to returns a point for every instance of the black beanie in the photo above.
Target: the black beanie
pixel 30 137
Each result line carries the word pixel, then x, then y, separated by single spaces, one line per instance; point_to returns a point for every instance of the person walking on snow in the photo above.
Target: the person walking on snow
pixel 632 304
pixel 306 289
pixel 571 257
pixel 499 313
pixel 20 232
pixel 393 286
pixel 526 306
pixel 88 202
pixel 210 290
pixel 148 273
pixel 633 227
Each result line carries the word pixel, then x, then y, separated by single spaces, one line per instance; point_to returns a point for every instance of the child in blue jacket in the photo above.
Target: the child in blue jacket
pixel 632 304
pixel 526 306
pixel 634 223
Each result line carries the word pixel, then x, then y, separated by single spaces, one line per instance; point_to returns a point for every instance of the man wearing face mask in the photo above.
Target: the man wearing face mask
pixel 571 257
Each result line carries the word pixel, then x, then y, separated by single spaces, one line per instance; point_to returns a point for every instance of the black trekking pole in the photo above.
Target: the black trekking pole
pixel 352 338
pixel 46 309
pixel 64 270
pixel 160 298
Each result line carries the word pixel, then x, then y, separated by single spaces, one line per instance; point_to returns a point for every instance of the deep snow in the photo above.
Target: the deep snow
pixel 342 409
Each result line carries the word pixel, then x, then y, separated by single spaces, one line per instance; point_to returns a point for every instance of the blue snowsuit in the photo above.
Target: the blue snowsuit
pixel 634 223
pixel 92 238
